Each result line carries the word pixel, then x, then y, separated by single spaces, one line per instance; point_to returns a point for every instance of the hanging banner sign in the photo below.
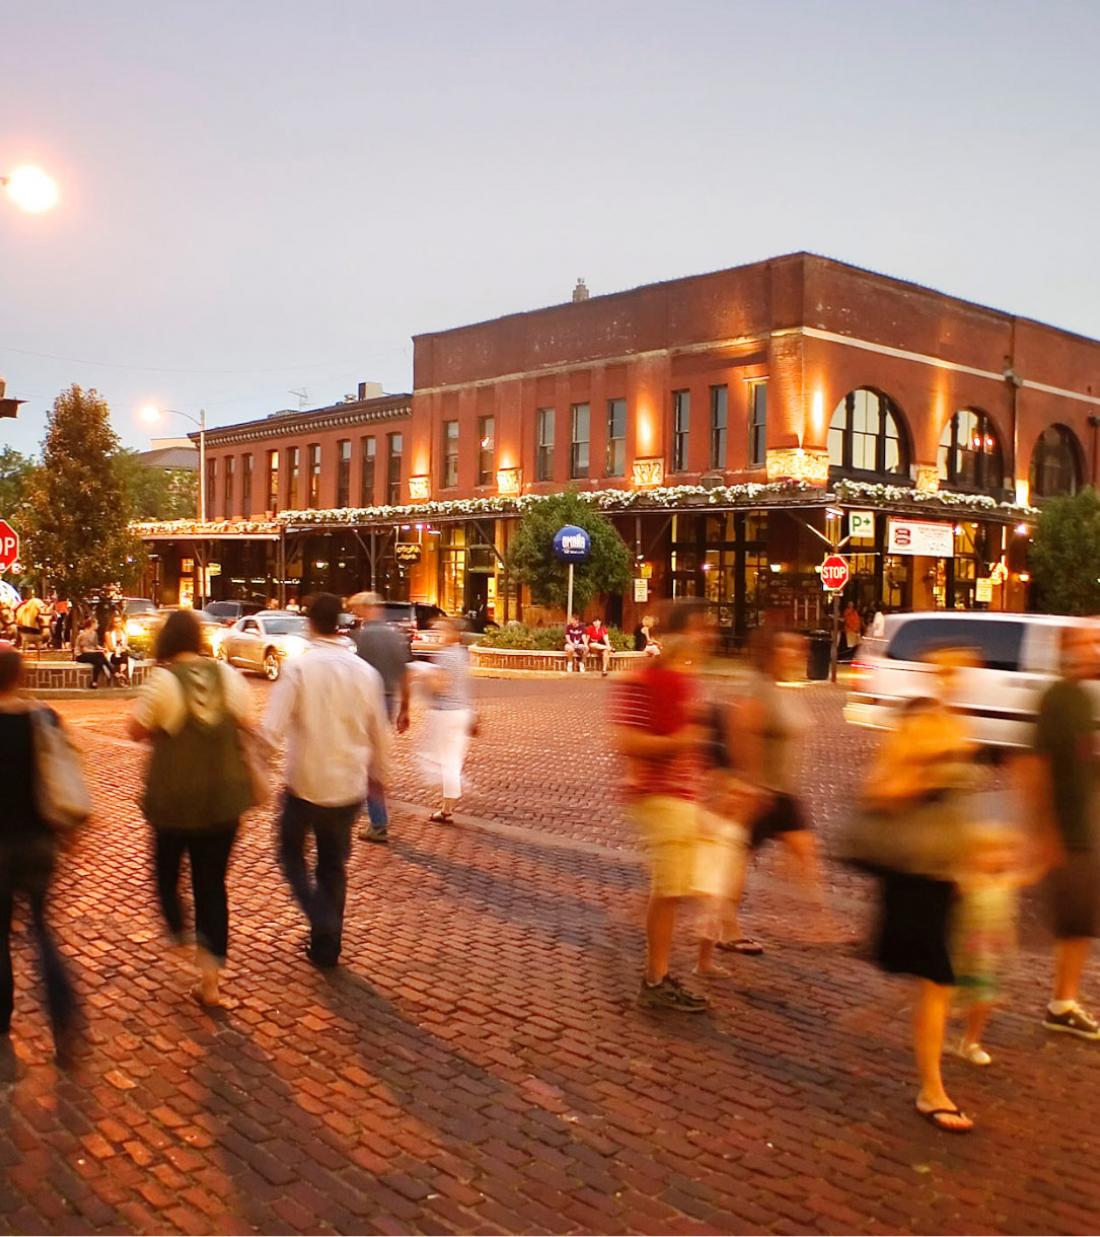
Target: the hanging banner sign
pixel 920 537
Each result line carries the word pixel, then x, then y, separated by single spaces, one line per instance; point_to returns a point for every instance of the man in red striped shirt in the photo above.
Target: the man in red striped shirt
pixel 657 728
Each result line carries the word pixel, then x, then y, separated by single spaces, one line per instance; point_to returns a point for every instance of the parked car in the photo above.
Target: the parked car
pixel 262 642
pixel 228 612
pixel 1020 656
pixel 139 615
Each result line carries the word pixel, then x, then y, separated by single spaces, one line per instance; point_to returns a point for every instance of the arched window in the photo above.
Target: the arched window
pixel 970 455
pixel 867 435
pixel 1056 470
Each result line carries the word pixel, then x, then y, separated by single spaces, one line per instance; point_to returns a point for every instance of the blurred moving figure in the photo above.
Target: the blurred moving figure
pixel 657 726
pixel 923 843
pixel 28 852
pixel 1063 782
pixel 328 708
pixel 452 722
pixel 385 648
pixel 197 785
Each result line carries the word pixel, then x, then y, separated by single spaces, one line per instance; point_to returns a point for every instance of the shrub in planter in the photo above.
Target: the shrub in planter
pixel 521 637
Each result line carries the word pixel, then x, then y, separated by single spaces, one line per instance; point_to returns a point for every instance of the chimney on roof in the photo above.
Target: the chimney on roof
pixel 580 292
pixel 370 390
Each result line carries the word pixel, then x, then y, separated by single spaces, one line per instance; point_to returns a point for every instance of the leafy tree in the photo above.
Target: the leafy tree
pixel 16 471
pixel 1065 556
pixel 157 493
pixel 78 509
pixel 531 554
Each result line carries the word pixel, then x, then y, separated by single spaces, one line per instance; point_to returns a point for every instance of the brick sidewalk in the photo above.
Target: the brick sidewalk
pixel 478 1064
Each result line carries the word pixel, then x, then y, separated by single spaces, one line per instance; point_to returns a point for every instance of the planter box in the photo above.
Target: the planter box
pixel 546 660
pixel 70 676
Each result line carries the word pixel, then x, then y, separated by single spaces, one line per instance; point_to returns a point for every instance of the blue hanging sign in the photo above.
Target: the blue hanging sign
pixel 572 544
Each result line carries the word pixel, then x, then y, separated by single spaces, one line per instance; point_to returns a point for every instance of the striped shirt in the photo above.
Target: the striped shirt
pixel 660 701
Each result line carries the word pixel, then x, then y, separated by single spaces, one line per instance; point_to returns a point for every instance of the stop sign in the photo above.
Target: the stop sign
pixel 834 573
pixel 9 546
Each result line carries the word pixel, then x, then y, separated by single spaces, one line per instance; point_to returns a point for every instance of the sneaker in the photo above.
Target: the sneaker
pixel 374 834
pixel 1074 1021
pixel 975 1054
pixel 671 994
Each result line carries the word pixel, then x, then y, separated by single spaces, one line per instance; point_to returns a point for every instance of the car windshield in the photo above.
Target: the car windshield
pixel 399 612
pixel 139 605
pixel 292 625
pixel 222 608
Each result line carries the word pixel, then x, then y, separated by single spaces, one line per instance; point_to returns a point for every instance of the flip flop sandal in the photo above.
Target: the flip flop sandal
pixel 743 945
pixel 932 1116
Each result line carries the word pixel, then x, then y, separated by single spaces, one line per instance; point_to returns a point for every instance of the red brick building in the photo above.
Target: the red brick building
pixel 719 419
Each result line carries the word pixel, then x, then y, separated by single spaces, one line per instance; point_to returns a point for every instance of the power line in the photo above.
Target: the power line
pixel 168 369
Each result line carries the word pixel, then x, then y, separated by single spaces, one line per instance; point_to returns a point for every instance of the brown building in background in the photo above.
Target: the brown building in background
pixel 732 424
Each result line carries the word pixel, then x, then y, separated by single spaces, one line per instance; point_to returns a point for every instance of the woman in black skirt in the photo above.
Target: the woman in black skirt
pixel 913 789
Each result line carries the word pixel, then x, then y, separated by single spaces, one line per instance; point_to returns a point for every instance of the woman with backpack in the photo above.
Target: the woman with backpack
pixel 193 711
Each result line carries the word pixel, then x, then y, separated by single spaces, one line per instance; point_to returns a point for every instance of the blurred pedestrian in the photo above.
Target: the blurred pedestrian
pixel 923 841
pixel 877 630
pixel 576 644
pixel 657 727
pixel 87 649
pixel 62 624
pixel 451 722
pixel 851 632
pixel 766 737
pixel 328 708
pixel 385 648
pixel 28 855
pixel 1064 780
pixel 197 785
pixel 31 620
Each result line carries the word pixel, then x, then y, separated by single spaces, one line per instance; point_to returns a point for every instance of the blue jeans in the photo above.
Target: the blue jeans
pixel 377 811
pixel 323 895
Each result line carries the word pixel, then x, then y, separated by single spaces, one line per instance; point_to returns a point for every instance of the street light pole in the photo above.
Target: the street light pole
pixel 202 465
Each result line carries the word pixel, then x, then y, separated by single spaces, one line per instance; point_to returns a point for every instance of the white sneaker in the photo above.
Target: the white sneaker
pixel 975 1054
pixel 582 667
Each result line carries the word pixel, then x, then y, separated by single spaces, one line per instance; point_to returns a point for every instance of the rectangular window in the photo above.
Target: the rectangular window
pixel 246 484
pixel 293 468
pixel 450 455
pixel 719 418
pixel 272 481
pixel 616 437
pixel 544 444
pixel 314 474
pixel 343 473
pixel 681 426
pixel 211 489
pixel 369 448
pixel 486 450
pixel 758 422
pixel 395 445
pixel 578 455
pixel 230 461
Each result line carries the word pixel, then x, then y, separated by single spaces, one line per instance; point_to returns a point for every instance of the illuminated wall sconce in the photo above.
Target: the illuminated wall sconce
pixel 647 473
pixel 1023 492
pixel 509 481
pixel 811 467
pixel 420 488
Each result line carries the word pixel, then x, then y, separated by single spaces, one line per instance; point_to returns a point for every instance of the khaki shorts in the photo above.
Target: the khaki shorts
pixel 670 828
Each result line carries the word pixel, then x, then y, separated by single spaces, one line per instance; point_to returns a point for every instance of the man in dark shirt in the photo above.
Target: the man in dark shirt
pixel 1065 783
pixel 576 644
pixel 387 650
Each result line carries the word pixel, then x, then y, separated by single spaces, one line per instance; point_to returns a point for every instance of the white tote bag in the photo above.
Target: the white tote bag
pixel 61 794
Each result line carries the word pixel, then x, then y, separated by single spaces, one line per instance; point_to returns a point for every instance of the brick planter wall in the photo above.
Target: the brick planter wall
pixel 541 659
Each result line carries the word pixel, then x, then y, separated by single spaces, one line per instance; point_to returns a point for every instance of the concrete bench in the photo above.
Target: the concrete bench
pixel 549 661
pixel 52 677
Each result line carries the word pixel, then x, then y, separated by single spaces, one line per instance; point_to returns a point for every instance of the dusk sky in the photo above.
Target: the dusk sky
pixel 265 196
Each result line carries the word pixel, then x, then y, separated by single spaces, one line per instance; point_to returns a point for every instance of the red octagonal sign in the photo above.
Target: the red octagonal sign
pixel 9 546
pixel 834 573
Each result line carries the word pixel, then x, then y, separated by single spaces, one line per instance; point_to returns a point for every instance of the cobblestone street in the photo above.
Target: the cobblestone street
pixel 478 1063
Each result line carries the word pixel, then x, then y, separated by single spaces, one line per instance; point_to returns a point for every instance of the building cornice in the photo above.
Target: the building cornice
pixel 295 424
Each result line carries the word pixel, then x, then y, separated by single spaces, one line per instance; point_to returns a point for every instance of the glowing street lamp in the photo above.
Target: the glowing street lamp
pixel 31 189
pixel 152 415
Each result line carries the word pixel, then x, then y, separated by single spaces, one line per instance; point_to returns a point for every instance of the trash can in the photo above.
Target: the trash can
pixel 817 657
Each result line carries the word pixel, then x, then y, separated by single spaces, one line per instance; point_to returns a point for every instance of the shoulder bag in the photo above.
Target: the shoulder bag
pixel 61 794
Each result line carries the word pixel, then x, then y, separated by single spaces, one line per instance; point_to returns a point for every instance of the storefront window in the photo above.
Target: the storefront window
pixel 544 446
pixel 681 427
pixel 487 450
pixel 867 436
pixel 452 568
pixel 616 437
pixel 578 462
pixel 719 417
pixel 449 478
pixel 970 455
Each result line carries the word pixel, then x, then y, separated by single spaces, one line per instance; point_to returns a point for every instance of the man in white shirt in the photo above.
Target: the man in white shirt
pixel 329 710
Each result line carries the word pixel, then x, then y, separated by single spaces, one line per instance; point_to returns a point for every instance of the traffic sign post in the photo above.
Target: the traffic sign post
pixel 834 578
pixel 572 545
pixel 9 546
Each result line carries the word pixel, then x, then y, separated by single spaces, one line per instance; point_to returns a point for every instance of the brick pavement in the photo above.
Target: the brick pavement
pixel 478 1064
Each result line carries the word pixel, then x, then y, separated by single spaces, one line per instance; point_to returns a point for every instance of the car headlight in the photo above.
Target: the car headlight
pixel 291 646
pixel 134 628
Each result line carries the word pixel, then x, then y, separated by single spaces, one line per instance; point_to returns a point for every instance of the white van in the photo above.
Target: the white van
pixel 1020 655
